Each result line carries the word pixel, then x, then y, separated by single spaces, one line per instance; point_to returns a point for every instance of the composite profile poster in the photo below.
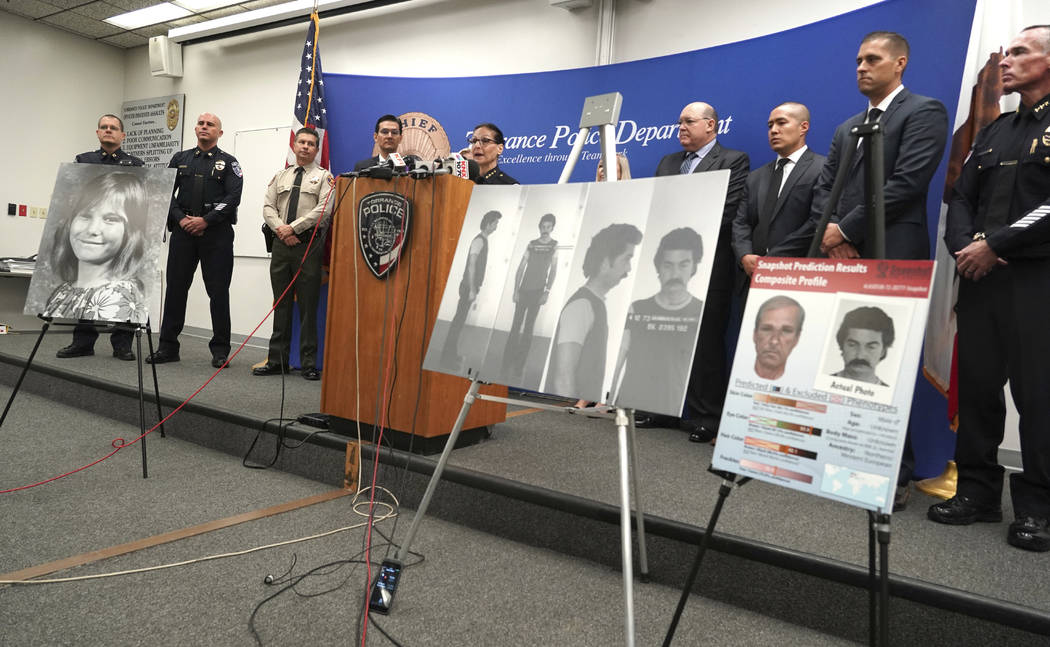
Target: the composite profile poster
pixel 471 299
pixel 98 254
pixel 823 376
pixel 535 285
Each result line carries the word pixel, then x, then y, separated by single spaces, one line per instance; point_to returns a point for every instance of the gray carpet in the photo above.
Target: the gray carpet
pixel 578 456
pixel 472 588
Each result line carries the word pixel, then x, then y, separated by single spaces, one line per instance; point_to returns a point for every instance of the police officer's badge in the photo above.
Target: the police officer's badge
pixel 1046 137
pixel 220 165
pixel 382 229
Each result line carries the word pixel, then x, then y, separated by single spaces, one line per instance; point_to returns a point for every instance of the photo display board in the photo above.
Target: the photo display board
pixel 553 287
pixel 822 381
pixel 100 248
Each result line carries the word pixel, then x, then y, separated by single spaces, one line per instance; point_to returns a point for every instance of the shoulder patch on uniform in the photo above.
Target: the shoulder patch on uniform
pixel 236 169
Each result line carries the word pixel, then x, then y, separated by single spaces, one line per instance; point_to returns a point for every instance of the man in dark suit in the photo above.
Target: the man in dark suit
pixel 387 137
pixel 778 196
pixel 915 129
pixel 697 132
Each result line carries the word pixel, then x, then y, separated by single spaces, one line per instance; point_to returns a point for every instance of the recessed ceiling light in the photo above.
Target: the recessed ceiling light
pixel 162 12
pixel 204 5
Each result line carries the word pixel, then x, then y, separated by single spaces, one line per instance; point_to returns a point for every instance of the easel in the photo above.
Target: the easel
pixel 139 328
pixel 878 522
pixel 602 111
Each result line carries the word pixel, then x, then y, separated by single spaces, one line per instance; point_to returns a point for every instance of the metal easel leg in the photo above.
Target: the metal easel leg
pixel 639 514
pixel 142 402
pixel 625 527
pixel 468 400
pixel 156 385
pixel 25 369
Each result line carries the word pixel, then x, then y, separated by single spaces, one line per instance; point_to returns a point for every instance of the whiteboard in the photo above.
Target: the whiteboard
pixel 262 153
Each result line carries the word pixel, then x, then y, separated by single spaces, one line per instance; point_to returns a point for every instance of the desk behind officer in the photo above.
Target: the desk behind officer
pixel 697 131
pixel 201 218
pixel 387 137
pixel 111 135
pixel 998 229
pixel 296 199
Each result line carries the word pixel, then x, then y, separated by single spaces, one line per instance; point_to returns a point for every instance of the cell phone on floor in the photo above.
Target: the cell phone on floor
pixel 384 586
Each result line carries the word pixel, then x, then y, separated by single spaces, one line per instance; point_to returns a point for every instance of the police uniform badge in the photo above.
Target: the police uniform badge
pixel 1046 137
pixel 382 229
pixel 220 165
pixel 236 169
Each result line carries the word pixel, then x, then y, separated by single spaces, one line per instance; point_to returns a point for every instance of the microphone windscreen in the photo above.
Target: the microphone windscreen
pixel 473 170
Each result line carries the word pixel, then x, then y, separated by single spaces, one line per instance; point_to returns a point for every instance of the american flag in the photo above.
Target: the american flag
pixel 309 95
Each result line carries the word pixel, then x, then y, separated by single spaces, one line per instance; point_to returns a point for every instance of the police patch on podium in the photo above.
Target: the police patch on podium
pixel 382 229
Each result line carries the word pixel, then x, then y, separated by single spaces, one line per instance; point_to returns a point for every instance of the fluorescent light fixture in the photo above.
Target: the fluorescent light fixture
pixel 204 5
pixel 254 18
pixel 162 12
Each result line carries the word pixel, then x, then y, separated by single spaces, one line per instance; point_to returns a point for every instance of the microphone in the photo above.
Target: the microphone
pixel 381 171
pixel 398 162
pixel 465 168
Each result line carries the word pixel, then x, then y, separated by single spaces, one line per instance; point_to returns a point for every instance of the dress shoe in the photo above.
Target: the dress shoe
pixel 124 354
pixel 901 496
pixel 697 432
pixel 75 351
pixel 1029 533
pixel 217 361
pixel 270 369
pixel 646 420
pixel 162 357
pixel 311 373
pixel 962 511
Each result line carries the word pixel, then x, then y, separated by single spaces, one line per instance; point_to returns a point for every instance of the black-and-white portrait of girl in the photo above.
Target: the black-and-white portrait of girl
pixel 99 247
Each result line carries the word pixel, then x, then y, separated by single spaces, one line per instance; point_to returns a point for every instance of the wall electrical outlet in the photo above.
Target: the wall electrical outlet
pixel 12 208
pixel 34 212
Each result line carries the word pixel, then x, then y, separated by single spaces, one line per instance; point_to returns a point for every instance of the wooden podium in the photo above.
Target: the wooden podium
pixel 396 316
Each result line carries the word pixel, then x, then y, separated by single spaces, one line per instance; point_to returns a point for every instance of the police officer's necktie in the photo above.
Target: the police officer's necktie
pixel 760 239
pixel 293 199
pixel 873 115
pixel 687 163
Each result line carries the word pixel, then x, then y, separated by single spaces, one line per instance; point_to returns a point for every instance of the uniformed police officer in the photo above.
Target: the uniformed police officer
pixel 201 218
pixel 998 228
pixel 110 134
pixel 306 188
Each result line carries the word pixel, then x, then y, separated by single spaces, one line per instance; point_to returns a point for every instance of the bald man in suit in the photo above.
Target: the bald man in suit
pixel 697 133
pixel 769 216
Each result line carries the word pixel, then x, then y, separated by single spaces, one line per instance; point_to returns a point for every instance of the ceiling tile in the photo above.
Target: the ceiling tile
pixel 29 8
pixel 224 11
pixel 152 30
pixel 188 20
pixel 69 4
pixel 125 40
pixel 81 25
pixel 131 5
pixel 98 10
pixel 259 4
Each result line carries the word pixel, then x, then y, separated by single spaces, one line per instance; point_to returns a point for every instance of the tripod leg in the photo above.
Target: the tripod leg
pixel 625 527
pixel 468 400
pixel 156 386
pixel 25 369
pixel 142 403
pixel 873 627
pixel 723 492
pixel 639 514
pixel 883 531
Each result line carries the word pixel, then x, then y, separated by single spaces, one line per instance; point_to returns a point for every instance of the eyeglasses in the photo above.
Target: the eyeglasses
pixel 484 141
pixel 389 131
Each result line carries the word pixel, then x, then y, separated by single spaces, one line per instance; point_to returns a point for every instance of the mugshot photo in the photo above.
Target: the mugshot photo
pixel 862 346
pixel 98 253
pixel 475 281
